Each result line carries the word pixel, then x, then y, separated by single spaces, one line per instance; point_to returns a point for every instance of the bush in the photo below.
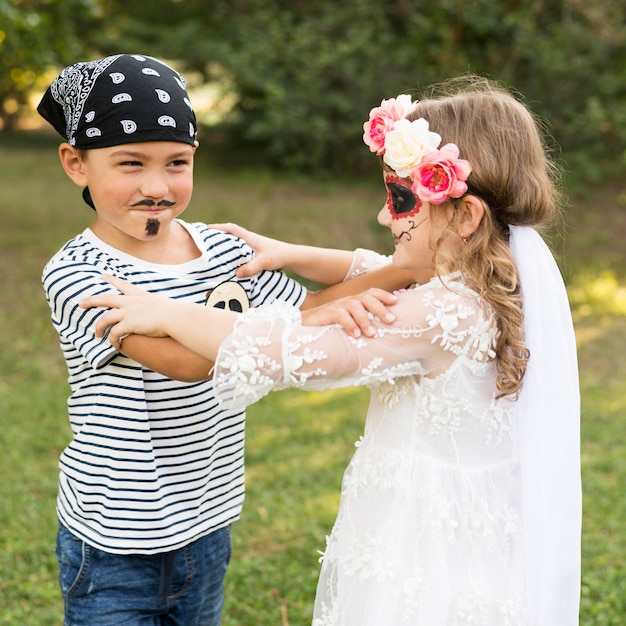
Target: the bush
pixel 305 73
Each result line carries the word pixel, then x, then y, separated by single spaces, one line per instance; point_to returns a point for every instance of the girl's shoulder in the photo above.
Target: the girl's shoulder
pixel 450 287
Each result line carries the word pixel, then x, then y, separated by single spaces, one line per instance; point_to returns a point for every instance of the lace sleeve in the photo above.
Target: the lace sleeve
pixel 365 260
pixel 270 349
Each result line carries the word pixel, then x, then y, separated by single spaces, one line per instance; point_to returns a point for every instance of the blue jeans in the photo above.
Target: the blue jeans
pixel 184 587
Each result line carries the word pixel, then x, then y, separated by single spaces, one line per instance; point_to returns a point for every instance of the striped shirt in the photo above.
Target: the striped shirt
pixel 154 463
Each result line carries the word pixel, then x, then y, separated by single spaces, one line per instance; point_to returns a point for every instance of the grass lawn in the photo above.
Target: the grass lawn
pixel 298 443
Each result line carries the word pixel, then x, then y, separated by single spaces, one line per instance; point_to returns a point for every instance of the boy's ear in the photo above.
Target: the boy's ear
pixel 472 212
pixel 73 164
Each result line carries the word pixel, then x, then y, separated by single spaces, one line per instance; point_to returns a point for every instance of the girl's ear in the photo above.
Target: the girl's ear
pixel 73 164
pixel 472 212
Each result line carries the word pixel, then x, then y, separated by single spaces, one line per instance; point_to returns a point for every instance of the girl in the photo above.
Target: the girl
pixel 462 503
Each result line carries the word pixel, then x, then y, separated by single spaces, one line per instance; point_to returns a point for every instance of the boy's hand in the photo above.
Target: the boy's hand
pixel 134 312
pixel 352 312
pixel 270 254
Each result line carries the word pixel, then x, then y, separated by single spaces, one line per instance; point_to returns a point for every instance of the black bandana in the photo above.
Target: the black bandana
pixel 126 98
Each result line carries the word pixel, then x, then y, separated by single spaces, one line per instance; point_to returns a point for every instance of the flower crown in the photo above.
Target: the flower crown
pixel 412 151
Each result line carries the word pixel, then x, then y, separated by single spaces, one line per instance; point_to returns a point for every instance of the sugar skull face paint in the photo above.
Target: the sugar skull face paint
pixel 401 201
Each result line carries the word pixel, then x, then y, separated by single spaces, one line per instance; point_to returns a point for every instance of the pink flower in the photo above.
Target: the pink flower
pixel 383 119
pixel 440 175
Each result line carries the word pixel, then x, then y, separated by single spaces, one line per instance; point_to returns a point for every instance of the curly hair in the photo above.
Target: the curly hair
pixel 518 183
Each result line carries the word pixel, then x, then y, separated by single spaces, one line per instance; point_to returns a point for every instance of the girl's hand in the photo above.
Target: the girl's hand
pixel 270 254
pixel 352 312
pixel 135 312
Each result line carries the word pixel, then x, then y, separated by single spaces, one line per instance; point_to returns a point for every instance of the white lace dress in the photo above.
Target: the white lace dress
pixel 429 526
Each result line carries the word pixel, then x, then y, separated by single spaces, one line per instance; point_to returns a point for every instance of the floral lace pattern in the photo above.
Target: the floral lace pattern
pixel 366 261
pixel 428 531
pixel 270 349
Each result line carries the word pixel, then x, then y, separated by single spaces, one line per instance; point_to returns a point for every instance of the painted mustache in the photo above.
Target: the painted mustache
pixel 148 202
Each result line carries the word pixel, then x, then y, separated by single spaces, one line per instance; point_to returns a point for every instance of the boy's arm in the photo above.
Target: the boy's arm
pixel 65 282
pixel 139 314
pixel 168 357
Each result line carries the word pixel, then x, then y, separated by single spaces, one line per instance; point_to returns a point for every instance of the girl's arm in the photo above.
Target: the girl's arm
pixel 325 266
pixel 387 278
pixel 270 348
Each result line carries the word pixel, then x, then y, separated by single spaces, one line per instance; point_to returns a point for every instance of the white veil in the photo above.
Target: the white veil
pixel 549 418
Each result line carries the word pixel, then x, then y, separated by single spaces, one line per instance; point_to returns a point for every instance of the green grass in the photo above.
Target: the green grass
pixel 298 443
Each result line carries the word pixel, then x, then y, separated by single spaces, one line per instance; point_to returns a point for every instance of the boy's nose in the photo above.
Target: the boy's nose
pixel 154 186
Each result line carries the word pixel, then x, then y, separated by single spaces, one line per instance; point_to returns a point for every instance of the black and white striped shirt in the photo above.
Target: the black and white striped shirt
pixel 154 463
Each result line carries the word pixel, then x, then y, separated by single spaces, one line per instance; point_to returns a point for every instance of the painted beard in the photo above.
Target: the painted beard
pixel 152 226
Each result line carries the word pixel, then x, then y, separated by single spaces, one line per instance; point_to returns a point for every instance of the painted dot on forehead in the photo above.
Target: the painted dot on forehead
pixel 401 201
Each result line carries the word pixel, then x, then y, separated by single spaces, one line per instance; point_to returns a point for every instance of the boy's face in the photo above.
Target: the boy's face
pixel 138 189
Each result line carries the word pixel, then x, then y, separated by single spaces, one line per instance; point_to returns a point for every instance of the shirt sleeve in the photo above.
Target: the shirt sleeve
pixel 66 284
pixel 273 286
pixel 270 349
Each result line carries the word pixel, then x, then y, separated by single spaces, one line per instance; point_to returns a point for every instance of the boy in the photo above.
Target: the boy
pixel 153 477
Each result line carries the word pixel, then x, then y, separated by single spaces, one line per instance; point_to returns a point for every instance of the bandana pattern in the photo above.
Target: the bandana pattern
pixel 119 99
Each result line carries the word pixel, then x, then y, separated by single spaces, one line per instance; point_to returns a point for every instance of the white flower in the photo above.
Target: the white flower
pixel 406 144
pixel 407 103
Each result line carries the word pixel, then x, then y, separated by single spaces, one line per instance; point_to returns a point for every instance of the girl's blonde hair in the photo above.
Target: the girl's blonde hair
pixel 517 182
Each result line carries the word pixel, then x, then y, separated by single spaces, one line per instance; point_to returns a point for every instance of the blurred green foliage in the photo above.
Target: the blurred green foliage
pixel 303 74
pixel 35 36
